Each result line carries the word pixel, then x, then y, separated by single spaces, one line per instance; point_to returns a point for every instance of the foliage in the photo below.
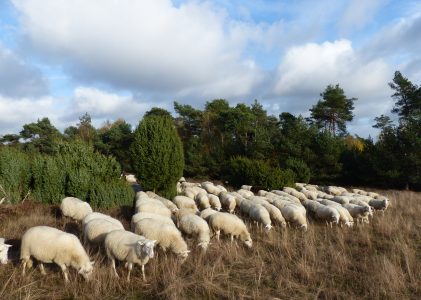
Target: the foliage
pixel 111 193
pixel 300 169
pixel 157 154
pixel 15 174
pixel 241 170
pixel 333 111
pixel 40 136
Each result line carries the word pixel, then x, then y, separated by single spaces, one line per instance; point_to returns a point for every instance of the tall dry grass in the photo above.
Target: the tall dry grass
pixel 378 261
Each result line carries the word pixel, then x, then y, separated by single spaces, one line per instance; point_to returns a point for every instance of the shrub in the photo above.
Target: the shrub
pixel 299 168
pixel 48 179
pixel 157 154
pixel 15 174
pixel 242 170
pixel 108 194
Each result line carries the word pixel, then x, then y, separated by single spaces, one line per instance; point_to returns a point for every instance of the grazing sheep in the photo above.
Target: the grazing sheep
pixel 362 203
pixel 231 225
pixel 96 230
pixel 165 235
pixel 228 201
pixel 48 244
pixel 274 212
pixel 245 193
pixel 202 200
pixel 379 204
pixel 312 187
pixel 97 215
pixel 189 192
pixel 214 202
pixel 129 247
pixel 195 226
pixel 206 213
pixel 259 214
pixel 155 207
pixel 186 184
pixel 312 195
pixel 345 216
pixel 211 188
pixel 168 203
pixel 75 208
pixel 295 214
pixel 324 213
pixel 284 194
pixel 359 192
pixel 140 216
pixel 358 212
pixel 246 187
pixel 341 199
pixel 4 248
pixel 184 202
pixel 222 188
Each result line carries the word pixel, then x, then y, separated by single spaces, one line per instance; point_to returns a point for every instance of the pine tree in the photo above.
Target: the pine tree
pixel 157 154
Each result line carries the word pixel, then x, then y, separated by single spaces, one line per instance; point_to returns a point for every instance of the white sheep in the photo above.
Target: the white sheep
pixel 48 244
pixel 231 225
pixel 96 230
pixel 154 206
pixel 312 195
pixel 195 226
pixel 274 212
pixel 294 214
pixel 168 203
pixel 214 202
pixel 295 193
pixel 246 187
pixel 358 212
pixel 184 202
pixel 227 201
pixel 341 199
pixel 4 248
pixel 129 247
pixel 142 215
pixel 165 235
pixel 206 213
pixel 211 188
pixel 260 214
pixel 202 200
pixel 378 204
pixel 97 215
pixel 245 193
pixel 284 194
pixel 130 178
pixel 326 213
pixel 75 208
pixel 221 187
pixel 345 216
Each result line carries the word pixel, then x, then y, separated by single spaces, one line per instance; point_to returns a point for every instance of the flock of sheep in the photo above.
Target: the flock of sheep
pixel 195 212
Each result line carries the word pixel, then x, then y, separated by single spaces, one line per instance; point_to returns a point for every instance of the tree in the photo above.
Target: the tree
pixel 40 136
pixel 157 154
pixel 333 111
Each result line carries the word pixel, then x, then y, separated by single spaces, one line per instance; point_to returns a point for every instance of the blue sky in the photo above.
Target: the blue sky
pixel 117 59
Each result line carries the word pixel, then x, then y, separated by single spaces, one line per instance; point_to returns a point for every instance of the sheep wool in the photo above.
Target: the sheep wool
pixel 214 202
pixel 48 244
pixel 184 202
pixel 75 208
pixel 97 215
pixel 129 247
pixel 231 225
pixel 195 226
pixel 141 215
pixel 96 230
pixel 4 248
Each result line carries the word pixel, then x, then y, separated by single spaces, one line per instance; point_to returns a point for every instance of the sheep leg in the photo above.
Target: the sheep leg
pixel 64 270
pixel 232 238
pixel 143 272
pixel 130 267
pixel 218 232
pixel 24 262
pixel 41 267
pixel 113 267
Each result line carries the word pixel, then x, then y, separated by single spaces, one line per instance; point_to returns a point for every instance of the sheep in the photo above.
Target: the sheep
pixel 373 195
pixel 312 187
pixel 379 204
pixel 186 184
pixel 4 248
pixel 295 193
pixel 153 207
pixel 341 199
pixel 165 235
pixel 211 188
pixel 169 204
pixel 97 215
pixel 195 226
pixel 202 200
pixel 144 215
pixel 327 213
pixel 130 178
pixel 222 188
pixel 245 193
pixel 206 213
pixel 129 247
pixel 75 208
pixel 184 202
pixel 294 214
pixel 214 202
pixel 284 194
pixel 345 216
pixel 96 230
pixel 228 201
pixel 358 212
pixel 360 192
pixel 47 244
pixel 182 179
pixel 333 190
pixel 312 195
pixel 274 212
pixel 230 224
pixel 246 187
pixel 259 214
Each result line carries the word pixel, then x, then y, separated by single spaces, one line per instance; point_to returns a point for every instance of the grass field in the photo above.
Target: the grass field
pixel 381 260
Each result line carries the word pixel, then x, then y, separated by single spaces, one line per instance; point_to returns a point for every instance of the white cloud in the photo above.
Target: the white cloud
pixel 140 44
pixel 358 13
pixel 17 78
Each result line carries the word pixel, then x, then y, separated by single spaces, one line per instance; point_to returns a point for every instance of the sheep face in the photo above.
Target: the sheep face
pixel 3 253
pixel 203 245
pixel 268 227
pixel 183 255
pixel 145 248
pixel 86 270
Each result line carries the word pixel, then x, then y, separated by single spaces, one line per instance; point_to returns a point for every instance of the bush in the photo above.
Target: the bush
pixel 108 194
pixel 299 168
pixel 157 154
pixel 15 174
pixel 48 179
pixel 242 170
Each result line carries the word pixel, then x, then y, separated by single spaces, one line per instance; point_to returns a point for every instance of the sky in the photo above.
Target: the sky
pixel 119 58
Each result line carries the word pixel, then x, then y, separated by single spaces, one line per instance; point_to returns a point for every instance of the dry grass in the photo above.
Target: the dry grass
pixel 379 261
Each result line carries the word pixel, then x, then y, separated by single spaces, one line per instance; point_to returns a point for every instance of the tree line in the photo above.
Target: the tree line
pixel 243 144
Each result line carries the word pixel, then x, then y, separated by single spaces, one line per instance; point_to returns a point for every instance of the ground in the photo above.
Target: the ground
pixel 381 260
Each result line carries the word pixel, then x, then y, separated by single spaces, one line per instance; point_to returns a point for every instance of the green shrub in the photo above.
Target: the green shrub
pixel 15 174
pixel 242 170
pixel 108 194
pixel 300 169
pixel 157 154
pixel 48 179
